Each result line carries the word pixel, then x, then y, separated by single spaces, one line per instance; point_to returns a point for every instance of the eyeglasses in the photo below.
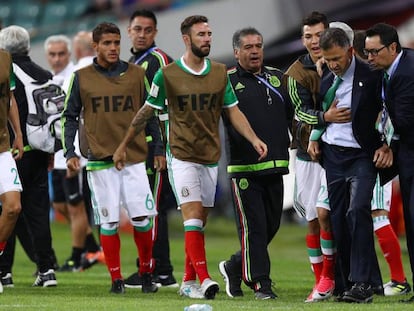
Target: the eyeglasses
pixel 373 52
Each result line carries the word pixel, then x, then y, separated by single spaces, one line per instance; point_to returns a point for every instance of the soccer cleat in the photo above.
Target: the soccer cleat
pixel 89 259
pixel 359 293
pixel 264 294
pixel 118 287
pixel 394 288
pixel 70 266
pixel 310 296
pixel 133 281
pixel 167 280
pixel 191 289
pixel 232 281
pixel 7 280
pixel 148 286
pixel 209 288
pixel 323 289
pixel 46 279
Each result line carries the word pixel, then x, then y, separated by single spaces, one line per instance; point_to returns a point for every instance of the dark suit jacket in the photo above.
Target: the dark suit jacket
pixel 399 97
pixel 365 106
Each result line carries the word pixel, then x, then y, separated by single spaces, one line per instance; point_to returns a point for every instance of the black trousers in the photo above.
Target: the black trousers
pixel 351 175
pixel 33 171
pixel 406 172
pixel 258 205
pixel 165 200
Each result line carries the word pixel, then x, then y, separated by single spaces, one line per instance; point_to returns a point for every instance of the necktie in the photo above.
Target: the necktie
pixel 327 101
pixel 330 94
pixel 386 79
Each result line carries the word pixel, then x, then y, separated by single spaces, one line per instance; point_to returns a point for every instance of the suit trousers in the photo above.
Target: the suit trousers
pixel 351 177
pixel 406 172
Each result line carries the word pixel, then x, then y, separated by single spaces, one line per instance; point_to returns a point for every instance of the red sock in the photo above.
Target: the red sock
pixel 189 271
pixel 2 246
pixel 111 246
pixel 143 241
pixel 391 249
pixel 313 244
pixel 328 252
pixel 194 241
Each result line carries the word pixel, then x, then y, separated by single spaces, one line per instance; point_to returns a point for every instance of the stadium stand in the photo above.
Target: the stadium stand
pixel 45 17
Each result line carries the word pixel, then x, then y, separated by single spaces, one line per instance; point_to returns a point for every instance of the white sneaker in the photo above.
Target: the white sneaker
pixel 1 288
pixel 191 289
pixel 209 288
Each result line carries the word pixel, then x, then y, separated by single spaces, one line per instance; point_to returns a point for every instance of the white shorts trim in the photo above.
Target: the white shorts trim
pixel 9 176
pixel 112 189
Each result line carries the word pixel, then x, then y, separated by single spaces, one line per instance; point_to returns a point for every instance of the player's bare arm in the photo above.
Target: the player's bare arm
pixel 137 125
pixel 17 147
pixel 242 125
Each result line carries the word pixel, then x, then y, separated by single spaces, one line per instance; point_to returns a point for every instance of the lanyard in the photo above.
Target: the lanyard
pixel 271 87
pixel 144 55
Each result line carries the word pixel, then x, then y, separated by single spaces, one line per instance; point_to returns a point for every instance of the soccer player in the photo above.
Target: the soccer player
pixel 142 31
pixel 197 90
pixel 10 185
pixel 108 93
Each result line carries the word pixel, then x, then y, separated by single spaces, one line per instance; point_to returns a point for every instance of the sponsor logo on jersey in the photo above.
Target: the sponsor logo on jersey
pixel 112 103
pixel 154 90
pixel 197 102
pixel 239 86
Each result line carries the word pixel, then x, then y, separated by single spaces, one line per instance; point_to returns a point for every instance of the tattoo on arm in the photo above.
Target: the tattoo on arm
pixel 141 118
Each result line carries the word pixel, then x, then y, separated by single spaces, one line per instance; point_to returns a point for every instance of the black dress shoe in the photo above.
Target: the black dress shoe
pixel 410 300
pixel 359 293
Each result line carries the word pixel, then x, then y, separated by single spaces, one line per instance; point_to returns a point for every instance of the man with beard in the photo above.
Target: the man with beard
pixel 197 90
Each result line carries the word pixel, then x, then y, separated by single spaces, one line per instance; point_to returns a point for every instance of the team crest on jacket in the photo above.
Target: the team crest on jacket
pixel 185 192
pixel 274 81
pixel 243 184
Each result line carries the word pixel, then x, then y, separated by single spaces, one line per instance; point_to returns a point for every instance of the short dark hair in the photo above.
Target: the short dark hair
pixel 359 43
pixel 143 13
pixel 387 33
pixel 190 21
pixel 242 33
pixel 315 18
pixel 104 28
pixel 334 36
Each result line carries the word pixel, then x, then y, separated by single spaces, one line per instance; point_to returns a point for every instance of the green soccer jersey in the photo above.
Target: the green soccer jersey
pixel 194 102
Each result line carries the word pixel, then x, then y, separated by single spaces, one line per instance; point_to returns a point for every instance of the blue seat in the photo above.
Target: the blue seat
pixel 6 15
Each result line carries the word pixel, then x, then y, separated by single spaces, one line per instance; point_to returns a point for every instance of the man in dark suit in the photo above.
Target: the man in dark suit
pixel 384 52
pixel 351 152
